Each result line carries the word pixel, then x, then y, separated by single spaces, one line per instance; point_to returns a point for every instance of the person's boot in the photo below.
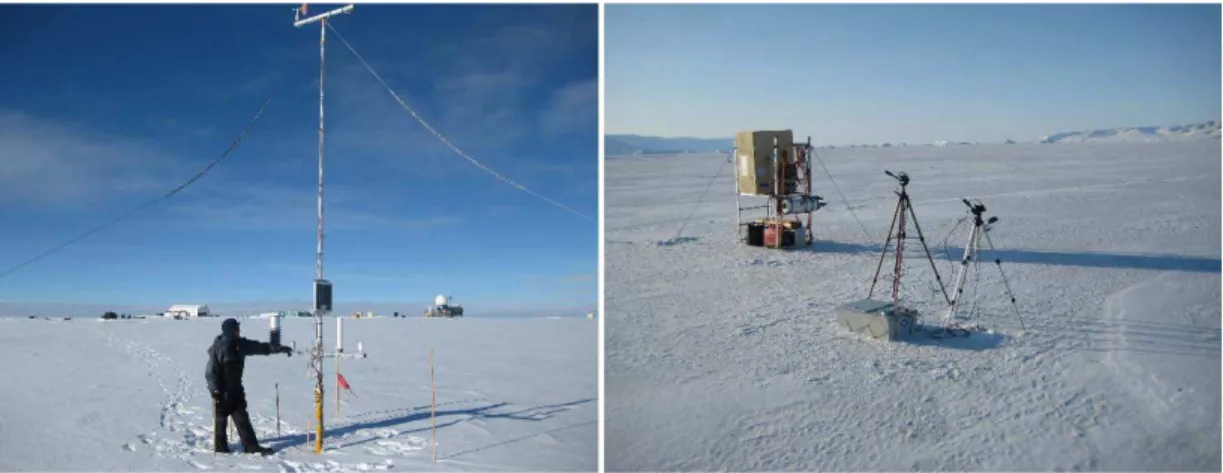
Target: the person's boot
pixel 250 443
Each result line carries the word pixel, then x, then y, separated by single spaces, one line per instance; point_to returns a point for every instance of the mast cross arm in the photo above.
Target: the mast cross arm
pixel 321 16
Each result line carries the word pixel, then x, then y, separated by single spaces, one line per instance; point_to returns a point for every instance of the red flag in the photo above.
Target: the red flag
pixel 344 383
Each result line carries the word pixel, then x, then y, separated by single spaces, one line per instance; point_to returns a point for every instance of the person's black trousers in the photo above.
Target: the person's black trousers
pixel 221 412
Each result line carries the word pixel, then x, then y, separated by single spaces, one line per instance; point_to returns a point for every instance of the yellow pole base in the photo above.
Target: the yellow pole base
pixel 318 417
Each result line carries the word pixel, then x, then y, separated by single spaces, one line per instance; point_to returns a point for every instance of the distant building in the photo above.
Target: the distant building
pixel 186 311
pixel 443 306
pixel 285 313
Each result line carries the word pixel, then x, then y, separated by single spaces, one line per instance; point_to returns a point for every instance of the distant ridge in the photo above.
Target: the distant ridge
pixel 1138 134
pixel 627 145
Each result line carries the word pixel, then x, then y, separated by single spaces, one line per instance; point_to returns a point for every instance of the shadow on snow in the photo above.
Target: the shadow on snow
pixel 973 340
pixel 534 414
pixel 1155 262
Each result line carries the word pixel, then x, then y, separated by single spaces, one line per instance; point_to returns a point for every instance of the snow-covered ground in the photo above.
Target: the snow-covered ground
pixel 722 356
pixel 129 395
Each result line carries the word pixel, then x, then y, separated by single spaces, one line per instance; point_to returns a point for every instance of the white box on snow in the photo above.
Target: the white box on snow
pixel 879 320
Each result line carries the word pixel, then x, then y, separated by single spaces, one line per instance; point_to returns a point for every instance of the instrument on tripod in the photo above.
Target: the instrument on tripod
pixel 972 252
pixel 904 210
pixel 890 320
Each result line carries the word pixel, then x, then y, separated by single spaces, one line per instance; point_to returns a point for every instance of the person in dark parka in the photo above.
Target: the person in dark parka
pixel 226 360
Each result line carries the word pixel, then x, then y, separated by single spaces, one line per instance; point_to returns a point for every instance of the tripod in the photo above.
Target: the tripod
pixel 972 252
pixel 904 209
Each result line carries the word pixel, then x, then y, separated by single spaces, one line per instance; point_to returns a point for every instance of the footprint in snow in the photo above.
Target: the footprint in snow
pixel 676 241
pixel 129 447
pixel 290 467
pixel 769 263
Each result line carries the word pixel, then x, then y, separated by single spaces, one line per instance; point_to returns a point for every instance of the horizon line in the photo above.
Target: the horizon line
pixel 731 137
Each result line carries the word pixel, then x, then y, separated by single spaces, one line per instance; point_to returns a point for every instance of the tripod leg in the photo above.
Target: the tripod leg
pixel 891 228
pixel 976 273
pixel 900 249
pixel 958 289
pixel 922 239
pixel 1006 283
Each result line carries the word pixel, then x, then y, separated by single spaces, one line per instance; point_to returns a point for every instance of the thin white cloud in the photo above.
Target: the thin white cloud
pixel 584 278
pixel 62 167
pixel 475 102
pixel 47 163
pixel 484 83
pixel 477 95
pixel 262 208
pixel 260 84
pixel 364 123
pixel 572 108
pixel 526 50
pixel 485 106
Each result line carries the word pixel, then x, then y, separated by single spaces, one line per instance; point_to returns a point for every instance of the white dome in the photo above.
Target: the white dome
pixel 441 299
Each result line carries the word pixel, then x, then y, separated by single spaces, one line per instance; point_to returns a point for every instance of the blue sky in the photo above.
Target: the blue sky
pixel 106 107
pixel 908 73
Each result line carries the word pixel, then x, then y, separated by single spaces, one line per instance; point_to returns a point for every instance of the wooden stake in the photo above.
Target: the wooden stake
pixel 339 350
pixel 433 405
pixel 337 384
pixel 277 409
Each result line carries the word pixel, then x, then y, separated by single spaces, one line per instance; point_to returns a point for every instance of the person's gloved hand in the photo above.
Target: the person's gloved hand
pixel 218 396
pixel 286 350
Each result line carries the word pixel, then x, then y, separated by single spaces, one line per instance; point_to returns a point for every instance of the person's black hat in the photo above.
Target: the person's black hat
pixel 229 325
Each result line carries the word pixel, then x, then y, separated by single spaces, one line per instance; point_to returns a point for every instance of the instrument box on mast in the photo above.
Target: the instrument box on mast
pixel 769 164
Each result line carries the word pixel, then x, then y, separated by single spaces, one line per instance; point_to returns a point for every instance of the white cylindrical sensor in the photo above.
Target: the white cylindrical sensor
pixel 339 334
pixel 799 204
pixel 274 331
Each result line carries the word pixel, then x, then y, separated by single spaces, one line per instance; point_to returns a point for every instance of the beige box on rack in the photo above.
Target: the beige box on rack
pixel 754 159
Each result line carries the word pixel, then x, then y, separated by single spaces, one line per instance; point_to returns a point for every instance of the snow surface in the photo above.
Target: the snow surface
pixel 130 395
pixel 722 356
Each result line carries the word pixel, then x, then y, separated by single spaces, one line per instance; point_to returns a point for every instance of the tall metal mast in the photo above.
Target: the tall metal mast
pixel 322 289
